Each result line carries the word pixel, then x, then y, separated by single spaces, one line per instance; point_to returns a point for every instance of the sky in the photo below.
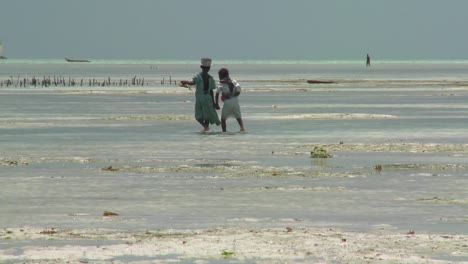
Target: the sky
pixel 235 29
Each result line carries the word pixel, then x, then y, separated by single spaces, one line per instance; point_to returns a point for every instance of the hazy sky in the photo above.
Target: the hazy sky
pixel 234 29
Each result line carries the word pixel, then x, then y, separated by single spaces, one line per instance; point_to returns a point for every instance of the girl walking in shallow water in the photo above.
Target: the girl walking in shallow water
pixel 205 107
pixel 230 91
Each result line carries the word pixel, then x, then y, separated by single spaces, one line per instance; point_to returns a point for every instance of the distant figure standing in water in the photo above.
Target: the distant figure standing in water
pixel 230 91
pixel 368 60
pixel 205 107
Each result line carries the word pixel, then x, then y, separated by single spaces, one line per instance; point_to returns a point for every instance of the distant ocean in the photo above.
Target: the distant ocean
pixel 70 152
pixel 251 69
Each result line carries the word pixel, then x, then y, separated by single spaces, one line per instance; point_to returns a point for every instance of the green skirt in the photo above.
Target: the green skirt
pixel 204 109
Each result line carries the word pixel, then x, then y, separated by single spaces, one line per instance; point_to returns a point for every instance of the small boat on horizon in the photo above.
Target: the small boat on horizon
pixel 74 60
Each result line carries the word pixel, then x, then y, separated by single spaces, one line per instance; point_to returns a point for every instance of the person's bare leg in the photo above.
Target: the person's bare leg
pixel 203 123
pixel 223 124
pixel 241 124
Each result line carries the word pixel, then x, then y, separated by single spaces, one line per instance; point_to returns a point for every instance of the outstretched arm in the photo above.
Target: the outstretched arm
pixel 185 83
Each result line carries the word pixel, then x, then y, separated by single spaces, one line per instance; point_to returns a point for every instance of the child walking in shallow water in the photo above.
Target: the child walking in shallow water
pixel 230 91
pixel 205 107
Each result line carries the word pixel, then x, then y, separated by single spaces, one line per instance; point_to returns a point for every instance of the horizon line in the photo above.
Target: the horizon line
pixel 242 60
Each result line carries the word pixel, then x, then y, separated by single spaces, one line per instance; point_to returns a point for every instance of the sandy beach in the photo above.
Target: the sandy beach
pixel 294 243
pixel 393 189
pixel 227 245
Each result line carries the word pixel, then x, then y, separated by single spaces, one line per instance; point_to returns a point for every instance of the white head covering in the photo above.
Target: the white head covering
pixel 206 62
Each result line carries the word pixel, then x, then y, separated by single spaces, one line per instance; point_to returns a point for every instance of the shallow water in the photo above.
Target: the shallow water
pixel 70 153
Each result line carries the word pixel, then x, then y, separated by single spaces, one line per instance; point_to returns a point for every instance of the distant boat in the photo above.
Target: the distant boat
pixel 1 52
pixel 72 60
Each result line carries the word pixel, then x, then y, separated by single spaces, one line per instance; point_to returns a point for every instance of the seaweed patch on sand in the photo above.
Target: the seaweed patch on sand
pixel 230 171
pixel 24 160
pixel 443 200
pixel 393 147
pixel 300 188
pixel 320 153
pixel 425 166
pixel 332 116
pixel 12 162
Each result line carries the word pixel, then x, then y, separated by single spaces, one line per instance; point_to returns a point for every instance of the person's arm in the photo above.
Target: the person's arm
pixel 217 98
pixel 212 96
pixel 188 83
pixel 213 87
pixel 238 89
pixel 185 83
pixel 216 105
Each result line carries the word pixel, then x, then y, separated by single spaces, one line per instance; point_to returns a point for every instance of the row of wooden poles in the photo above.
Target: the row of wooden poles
pixel 62 81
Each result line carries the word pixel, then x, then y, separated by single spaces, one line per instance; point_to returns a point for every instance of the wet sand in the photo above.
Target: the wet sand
pixel 391 193
pixel 295 242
